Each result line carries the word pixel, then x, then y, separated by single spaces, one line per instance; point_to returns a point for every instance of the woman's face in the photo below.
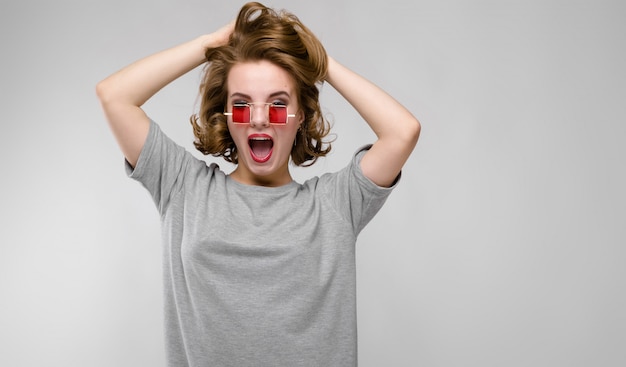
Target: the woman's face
pixel 263 148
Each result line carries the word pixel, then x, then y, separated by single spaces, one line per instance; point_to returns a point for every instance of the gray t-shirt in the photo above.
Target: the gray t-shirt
pixel 256 276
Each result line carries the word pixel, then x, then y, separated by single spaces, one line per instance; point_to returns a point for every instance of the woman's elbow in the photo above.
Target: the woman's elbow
pixel 103 91
pixel 413 130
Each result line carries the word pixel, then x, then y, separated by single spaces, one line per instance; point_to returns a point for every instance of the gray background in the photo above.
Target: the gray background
pixel 503 245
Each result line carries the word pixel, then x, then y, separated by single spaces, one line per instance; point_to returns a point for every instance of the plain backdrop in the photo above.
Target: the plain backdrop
pixel 503 245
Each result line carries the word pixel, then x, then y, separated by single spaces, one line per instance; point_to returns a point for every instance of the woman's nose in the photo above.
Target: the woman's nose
pixel 259 116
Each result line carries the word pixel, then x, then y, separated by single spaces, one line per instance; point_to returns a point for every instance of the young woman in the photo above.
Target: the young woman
pixel 259 270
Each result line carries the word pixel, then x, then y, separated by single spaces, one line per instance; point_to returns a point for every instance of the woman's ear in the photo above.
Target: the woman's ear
pixel 300 117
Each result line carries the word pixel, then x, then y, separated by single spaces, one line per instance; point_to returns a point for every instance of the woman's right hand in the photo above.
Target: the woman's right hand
pixel 221 36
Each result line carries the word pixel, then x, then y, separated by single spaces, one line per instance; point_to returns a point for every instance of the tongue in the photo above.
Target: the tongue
pixel 261 148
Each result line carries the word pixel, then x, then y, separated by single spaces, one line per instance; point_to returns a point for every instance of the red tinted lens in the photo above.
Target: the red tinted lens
pixel 278 114
pixel 241 113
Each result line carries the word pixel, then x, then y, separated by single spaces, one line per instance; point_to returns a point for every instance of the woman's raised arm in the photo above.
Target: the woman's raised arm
pixel 123 93
pixel 396 128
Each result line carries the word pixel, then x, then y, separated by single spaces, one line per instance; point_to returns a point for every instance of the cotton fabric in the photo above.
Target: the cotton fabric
pixel 256 276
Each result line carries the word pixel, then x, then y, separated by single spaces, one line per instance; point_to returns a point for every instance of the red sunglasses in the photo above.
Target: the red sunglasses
pixel 241 112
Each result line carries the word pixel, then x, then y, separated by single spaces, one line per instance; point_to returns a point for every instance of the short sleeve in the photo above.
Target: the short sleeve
pixel 160 166
pixel 354 196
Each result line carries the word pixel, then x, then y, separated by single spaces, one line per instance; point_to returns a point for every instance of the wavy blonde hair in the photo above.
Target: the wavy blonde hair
pixel 262 33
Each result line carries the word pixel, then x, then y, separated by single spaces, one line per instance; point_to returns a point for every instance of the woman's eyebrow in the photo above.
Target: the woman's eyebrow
pixel 275 94
pixel 280 93
pixel 240 95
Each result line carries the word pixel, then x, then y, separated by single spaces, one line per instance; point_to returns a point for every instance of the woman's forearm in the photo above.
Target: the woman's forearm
pixel 137 82
pixel 385 115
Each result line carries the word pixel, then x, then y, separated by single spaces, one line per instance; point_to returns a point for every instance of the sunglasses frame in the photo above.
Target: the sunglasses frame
pixel 250 105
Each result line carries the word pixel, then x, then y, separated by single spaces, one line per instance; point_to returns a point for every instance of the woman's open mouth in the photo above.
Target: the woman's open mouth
pixel 261 146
